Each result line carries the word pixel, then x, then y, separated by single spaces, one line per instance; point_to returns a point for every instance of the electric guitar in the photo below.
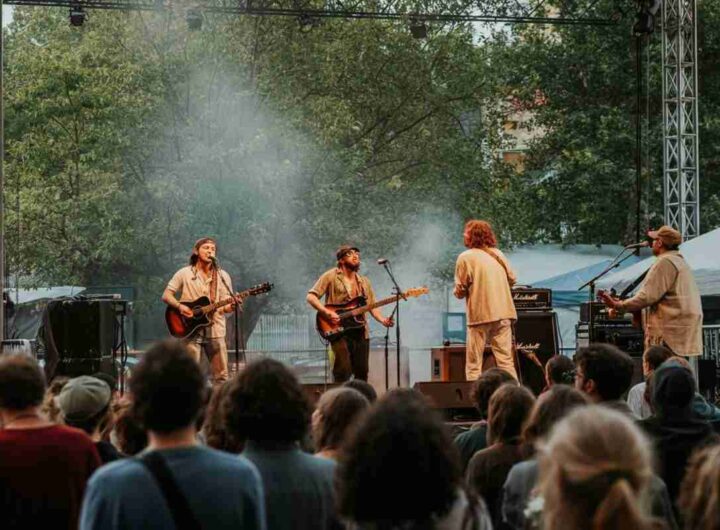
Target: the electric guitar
pixel 352 314
pixel 182 327
pixel 608 298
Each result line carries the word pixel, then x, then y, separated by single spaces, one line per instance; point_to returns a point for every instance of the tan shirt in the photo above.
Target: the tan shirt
pixel 671 299
pixel 483 282
pixel 337 290
pixel 191 284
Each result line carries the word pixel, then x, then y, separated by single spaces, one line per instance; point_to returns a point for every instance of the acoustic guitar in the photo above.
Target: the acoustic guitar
pixel 613 313
pixel 182 327
pixel 352 314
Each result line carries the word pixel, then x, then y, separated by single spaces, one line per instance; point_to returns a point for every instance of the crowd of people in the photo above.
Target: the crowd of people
pixel 255 453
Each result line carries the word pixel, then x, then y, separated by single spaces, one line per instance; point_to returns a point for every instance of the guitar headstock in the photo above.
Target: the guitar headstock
pixel 259 289
pixel 417 291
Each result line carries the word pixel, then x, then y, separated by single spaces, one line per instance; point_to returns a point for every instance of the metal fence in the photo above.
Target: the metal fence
pixel 711 342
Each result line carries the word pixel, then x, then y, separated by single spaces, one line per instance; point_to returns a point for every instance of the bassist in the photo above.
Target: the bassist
pixel 339 285
pixel 202 278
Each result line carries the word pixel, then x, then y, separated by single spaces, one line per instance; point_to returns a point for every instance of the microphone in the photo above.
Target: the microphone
pixel 382 261
pixel 214 260
pixel 637 245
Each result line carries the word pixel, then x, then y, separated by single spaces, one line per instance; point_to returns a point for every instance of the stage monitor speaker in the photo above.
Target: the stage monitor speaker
pixel 536 340
pixel 451 398
pixel 82 333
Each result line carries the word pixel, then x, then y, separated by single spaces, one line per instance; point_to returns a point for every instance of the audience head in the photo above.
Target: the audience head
pixel 338 410
pixel 49 407
pixel 168 388
pixel 128 435
pixel 559 370
pixel 365 388
pixel 510 405
pixel 699 498
pixel 85 403
pixel 485 386
pixel 266 404
pixel 549 409
pixel 22 383
pixel 672 389
pixel 215 427
pixel 400 446
pixel 603 372
pixel 653 357
pixel 594 472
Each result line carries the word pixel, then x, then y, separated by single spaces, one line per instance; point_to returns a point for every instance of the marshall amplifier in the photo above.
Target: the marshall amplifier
pixel 536 340
pixel 531 298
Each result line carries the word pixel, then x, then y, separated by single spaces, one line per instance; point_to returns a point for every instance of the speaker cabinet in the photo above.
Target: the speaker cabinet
pixel 451 398
pixel 536 340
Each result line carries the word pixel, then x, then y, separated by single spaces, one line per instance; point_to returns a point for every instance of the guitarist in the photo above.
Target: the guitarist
pixel 202 278
pixel 670 297
pixel 483 277
pixel 339 285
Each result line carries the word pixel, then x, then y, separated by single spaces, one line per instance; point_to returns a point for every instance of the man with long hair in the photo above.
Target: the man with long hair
pixel 340 285
pixel 203 278
pixel 483 277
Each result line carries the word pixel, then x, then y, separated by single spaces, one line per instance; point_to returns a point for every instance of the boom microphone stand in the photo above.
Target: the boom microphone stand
pixel 236 316
pixel 386 263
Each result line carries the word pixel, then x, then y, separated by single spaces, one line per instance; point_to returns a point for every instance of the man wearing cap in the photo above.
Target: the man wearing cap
pixel 340 285
pixel 85 404
pixel 669 297
pixel 203 278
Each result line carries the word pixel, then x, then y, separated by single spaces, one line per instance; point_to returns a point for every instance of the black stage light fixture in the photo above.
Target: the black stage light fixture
pixel 194 19
pixel 418 30
pixel 77 16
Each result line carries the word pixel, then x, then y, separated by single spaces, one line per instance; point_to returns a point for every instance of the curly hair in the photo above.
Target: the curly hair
pixel 401 446
pixel 481 234
pixel 127 434
pixel 699 498
pixel 49 407
pixel 168 388
pixel 215 427
pixel 22 382
pixel 338 410
pixel 267 404
pixel 485 386
pixel 595 470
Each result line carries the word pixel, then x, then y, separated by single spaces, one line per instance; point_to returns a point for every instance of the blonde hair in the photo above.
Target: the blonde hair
pixel 699 498
pixel 594 472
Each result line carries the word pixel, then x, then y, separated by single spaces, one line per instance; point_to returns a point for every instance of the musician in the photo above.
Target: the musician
pixel 340 285
pixel 483 277
pixel 669 297
pixel 203 278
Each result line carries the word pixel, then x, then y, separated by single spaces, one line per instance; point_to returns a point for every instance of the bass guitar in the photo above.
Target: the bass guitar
pixel 352 314
pixel 182 327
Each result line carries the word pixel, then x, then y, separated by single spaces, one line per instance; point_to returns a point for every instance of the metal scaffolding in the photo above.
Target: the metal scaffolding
pixel 681 177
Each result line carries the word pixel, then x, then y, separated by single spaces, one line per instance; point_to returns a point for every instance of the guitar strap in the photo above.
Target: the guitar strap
pixel 501 262
pixel 213 285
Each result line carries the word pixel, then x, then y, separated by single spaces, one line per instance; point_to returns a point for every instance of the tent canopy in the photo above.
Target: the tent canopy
pixel 701 254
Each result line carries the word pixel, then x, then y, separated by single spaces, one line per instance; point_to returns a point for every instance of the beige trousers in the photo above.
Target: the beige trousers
pixel 499 334
pixel 216 351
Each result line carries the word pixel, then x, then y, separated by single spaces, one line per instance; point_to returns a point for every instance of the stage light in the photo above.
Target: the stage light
pixel 77 16
pixel 194 19
pixel 418 30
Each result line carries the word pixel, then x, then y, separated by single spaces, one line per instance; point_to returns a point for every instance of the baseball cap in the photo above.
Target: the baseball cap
pixel 344 249
pixel 83 397
pixel 668 235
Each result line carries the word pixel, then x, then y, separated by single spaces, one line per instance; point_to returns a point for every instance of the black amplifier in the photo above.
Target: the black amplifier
pixel 532 298
pixel 628 338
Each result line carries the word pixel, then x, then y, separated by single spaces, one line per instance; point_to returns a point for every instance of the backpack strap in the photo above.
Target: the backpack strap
pixel 182 514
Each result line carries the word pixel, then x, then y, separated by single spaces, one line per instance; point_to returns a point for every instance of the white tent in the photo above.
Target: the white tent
pixel 701 253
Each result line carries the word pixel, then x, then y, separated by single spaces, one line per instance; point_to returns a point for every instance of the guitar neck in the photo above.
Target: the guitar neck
pixel 212 307
pixel 369 307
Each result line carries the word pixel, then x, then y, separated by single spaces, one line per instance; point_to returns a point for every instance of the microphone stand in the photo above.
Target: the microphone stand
pixel 615 263
pixel 396 312
pixel 236 317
